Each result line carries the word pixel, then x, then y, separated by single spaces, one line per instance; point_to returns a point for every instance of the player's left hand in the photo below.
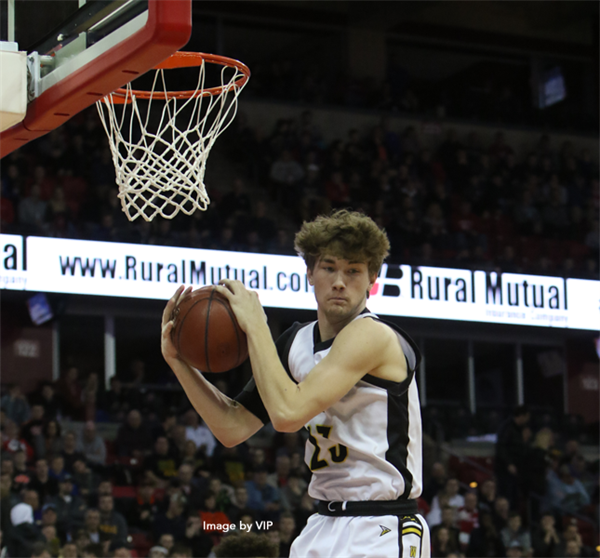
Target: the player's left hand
pixel 244 303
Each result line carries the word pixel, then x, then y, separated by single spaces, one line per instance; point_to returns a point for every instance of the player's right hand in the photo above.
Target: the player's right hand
pixel 166 343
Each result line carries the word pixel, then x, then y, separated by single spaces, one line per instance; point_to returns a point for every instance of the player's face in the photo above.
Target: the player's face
pixel 341 286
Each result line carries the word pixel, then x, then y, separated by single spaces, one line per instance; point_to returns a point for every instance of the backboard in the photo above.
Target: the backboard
pixel 81 50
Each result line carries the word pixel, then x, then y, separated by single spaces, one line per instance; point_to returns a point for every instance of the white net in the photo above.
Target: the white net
pixel 160 152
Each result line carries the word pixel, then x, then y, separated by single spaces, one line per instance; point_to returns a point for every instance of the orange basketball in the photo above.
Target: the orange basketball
pixel 206 333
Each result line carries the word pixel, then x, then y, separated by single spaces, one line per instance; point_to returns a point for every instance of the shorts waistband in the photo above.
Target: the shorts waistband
pixel 368 507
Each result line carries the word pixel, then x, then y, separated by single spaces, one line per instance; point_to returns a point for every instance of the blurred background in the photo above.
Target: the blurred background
pixel 469 131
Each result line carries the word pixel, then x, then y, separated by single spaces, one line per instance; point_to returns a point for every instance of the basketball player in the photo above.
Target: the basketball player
pixel 349 379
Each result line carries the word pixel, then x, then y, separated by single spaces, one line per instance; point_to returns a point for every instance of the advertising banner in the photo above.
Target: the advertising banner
pixel 42 264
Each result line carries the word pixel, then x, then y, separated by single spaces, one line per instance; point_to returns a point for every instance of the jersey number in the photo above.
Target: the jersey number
pixel 338 453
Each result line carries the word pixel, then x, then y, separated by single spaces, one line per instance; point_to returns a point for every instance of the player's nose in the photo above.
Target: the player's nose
pixel 338 280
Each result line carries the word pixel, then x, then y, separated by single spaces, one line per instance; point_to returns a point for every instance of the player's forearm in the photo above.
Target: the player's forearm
pixel 278 392
pixel 230 422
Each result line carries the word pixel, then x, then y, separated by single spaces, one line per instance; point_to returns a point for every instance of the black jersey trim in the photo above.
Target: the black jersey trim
pixel 397 411
pixel 398 438
pixel 250 397
pixel 319 345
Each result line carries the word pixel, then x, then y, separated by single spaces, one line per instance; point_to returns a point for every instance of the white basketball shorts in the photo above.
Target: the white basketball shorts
pixel 385 536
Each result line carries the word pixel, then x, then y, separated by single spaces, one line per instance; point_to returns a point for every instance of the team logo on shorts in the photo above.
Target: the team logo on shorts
pixel 413 551
pixel 384 530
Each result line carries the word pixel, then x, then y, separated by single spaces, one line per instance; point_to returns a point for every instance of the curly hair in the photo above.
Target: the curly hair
pixel 348 235
pixel 248 545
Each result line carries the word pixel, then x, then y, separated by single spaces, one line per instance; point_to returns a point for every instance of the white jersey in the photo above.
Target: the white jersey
pixel 367 446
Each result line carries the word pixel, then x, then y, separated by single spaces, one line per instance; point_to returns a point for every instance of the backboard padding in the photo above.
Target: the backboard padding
pixel 167 29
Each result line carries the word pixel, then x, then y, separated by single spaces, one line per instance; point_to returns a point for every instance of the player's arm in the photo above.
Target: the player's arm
pixel 228 420
pixel 361 347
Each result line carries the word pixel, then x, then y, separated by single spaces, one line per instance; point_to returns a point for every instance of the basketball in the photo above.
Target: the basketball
pixel 206 333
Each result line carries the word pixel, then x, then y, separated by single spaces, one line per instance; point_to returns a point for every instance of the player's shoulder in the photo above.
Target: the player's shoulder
pixel 369 327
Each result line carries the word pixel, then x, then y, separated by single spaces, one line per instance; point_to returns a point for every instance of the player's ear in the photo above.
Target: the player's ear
pixel 309 274
pixel 372 281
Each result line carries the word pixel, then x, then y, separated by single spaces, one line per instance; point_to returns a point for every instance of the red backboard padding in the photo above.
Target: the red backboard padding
pixel 168 29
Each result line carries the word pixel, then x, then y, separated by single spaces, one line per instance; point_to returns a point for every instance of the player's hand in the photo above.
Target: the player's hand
pixel 244 303
pixel 166 344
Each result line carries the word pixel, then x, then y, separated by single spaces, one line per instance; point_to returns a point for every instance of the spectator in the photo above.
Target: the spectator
pixel 181 551
pixel 487 496
pixel 467 519
pixel 83 478
pixel 287 533
pixel 70 508
pixel 436 483
pixel 112 523
pixel 158 552
pixel 70 393
pixel 572 542
pixel 47 398
pixel 81 541
pixel 52 439
pixel 510 451
pixel 161 465
pixel 20 465
pixel 69 451
pixel 32 431
pixel 210 515
pixel 545 541
pixel 449 522
pixel 291 493
pixel 69 550
pixel 250 544
pixel 133 438
pixel 91 526
pixel 224 493
pixel 172 521
pixel 536 468
pixel 92 445
pixel 450 497
pixel 143 510
pixel 286 174
pixel 262 497
pixel 14 404
pixel 566 493
pixel 441 544
pixel 8 500
pixel 13 442
pixel 57 469
pixel 501 512
pixel 40 549
pixel 94 550
pixel 115 401
pixel 167 541
pixel 32 211
pixel 514 532
pixel 239 505
pixel 485 539
pixel 199 542
pixel 24 531
pixel 52 543
pixel 177 439
pixel 41 482
pixel 192 488
pixel 199 433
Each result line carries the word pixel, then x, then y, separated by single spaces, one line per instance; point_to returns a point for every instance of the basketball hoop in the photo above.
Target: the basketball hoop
pixel 160 156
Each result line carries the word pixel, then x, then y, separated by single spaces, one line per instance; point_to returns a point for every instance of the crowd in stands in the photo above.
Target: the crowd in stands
pixel 465 204
pixel 94 473
pixel 487 91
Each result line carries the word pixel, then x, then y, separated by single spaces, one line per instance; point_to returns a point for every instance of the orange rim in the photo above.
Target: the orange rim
pixel 186 60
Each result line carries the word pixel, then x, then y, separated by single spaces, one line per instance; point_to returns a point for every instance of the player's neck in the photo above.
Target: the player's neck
pixel 331 325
